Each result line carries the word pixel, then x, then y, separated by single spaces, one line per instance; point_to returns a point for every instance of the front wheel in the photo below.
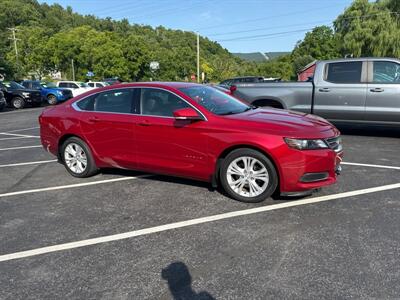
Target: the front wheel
pixel 52 100
pixel 77 158
pixel 18 102
pixel 248 175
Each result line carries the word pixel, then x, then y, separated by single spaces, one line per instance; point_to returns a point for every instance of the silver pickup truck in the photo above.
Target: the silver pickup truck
pixel 364 90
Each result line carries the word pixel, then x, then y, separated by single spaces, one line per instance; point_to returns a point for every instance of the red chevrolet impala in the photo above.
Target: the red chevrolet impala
pixel 193 131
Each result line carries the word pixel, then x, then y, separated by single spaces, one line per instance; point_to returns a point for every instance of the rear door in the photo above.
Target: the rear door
pixel 108 124
pixel 340 95
pixel 383 94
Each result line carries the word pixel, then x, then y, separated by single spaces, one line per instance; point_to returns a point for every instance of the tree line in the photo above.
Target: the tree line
pixel 51 36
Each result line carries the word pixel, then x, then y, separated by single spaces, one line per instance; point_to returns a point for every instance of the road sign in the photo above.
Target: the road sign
pixel 154 65
pixel 89 74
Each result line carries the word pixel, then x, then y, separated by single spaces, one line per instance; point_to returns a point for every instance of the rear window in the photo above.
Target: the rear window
pixel 344 72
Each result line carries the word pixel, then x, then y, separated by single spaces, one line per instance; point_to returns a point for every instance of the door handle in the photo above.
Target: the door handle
pixel 144 123
pixel 324 90
pixel 377 90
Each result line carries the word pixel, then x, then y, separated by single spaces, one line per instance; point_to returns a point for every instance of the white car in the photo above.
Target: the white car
pixel 76 87
pixel 97 84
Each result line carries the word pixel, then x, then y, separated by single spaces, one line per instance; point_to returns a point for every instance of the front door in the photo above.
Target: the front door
pixel 166 145
pixel 383 94
pixel 109 125
pixel 341 94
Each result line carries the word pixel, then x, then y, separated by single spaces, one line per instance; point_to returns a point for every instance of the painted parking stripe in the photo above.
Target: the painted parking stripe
pixel 29 163
pixel 70 186
pixel 23 129
pixel 369 165
pixel 19 135
pixel 14 138
pixel 18 148
pixel 20 111
pixel 166 227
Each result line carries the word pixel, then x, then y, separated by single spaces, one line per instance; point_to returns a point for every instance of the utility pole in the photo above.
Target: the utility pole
pixel 13 38
pixel 73 70
pixel 198 57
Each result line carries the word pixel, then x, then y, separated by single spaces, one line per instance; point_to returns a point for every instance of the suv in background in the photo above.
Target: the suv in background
pixel 76 87
pixel 97 84
pixel 2 101
pixel 49 91
pixel 17 96
pixel 245 79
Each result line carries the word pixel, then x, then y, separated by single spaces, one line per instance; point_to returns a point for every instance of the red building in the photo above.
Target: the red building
pixel 306 72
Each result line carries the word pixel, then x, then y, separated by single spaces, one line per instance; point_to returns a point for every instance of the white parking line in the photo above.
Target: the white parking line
pixel 20 135
pixel 19 111
pixel 14 138
pixel 61 187
pixel 17 148
pixel 146 231
pixel 369 165
pixel 23 129
pixel 29 163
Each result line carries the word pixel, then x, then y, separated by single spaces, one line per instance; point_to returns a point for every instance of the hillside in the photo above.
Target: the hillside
pixel 50 37
pixel 259 56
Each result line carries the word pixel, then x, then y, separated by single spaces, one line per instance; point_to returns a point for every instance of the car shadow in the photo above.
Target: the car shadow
pixel 179 282
pixel 369 130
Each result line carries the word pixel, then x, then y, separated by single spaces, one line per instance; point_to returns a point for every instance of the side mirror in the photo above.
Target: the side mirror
pixel 187 114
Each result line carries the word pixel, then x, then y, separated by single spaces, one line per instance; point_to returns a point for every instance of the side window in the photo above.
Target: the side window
pixel 386 72
pixel 63 85
pixel 91 84
pixel 344 72
pixel 156 102
pixel 99 85
pixel 118 101
pixel 73 85
pixel 86 103
pixel 25 84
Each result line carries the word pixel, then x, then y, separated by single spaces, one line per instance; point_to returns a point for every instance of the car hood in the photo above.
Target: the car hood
pixel 290 123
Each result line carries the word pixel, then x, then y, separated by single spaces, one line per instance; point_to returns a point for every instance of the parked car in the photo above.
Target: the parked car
pixel 17 96
pixel 194 131
pixel 97 84
pixel 112 81
pixel 76 87
pixel 245 79
pixel 357 91
pixel 49 91
pixel 2 101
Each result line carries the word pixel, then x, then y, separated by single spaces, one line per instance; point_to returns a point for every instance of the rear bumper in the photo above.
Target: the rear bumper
pixel 309 170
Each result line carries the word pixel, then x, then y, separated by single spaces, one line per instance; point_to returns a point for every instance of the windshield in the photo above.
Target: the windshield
pixel 48 85
pixel 82 84
pixel 214 100
pixel 13 85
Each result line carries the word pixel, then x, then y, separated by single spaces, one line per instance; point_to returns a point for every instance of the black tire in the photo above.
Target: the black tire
pixel 265 161
pixel 51 99
pixel 18 102
pixel 91 167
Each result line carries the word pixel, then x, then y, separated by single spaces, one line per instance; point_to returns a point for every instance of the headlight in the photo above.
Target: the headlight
pixel 26 94
pixel 306 144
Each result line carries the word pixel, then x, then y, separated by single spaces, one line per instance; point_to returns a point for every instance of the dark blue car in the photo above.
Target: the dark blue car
pixel 50 92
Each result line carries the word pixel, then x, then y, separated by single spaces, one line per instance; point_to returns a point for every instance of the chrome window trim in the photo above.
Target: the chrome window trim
pixel 76 107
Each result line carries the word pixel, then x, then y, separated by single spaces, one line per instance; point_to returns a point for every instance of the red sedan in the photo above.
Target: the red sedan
pixel 193 131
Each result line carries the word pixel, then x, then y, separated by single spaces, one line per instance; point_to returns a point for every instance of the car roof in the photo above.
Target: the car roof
pixel 175 85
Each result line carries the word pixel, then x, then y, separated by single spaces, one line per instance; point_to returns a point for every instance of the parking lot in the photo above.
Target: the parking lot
pixel 129 235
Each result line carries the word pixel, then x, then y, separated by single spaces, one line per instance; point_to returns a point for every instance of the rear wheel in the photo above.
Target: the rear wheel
pixel 51 99
pixel 77 158
pixel 18 102
pixel 248 175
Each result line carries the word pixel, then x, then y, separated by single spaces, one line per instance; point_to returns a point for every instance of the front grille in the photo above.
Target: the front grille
pixel 335 143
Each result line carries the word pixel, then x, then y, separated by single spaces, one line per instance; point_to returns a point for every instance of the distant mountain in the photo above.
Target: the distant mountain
pixel 259 56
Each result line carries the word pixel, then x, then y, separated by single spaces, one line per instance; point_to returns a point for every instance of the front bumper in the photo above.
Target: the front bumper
pixel 301 171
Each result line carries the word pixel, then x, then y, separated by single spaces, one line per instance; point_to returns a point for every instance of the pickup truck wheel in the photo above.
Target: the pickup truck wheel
pixel 52 100
pixel 18 102
pixel 77 158
pixel 248 175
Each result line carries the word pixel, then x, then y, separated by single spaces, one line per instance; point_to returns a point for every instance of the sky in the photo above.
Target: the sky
pixel 238 25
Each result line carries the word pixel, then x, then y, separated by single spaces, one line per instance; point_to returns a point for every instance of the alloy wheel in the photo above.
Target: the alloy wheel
pixel 75 158
pixel 247 176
